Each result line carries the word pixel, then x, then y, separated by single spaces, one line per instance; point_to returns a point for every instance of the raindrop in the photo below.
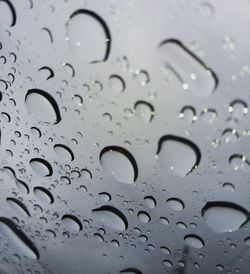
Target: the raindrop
pixel 178 155
pixel 7 13
pixel 224 216
pixel 165 250
pixel 144 111
pixel 111 217
pixel 47 72
pixel 43 195
pixel 167 263
pixel 239 162
pixel 175 204
pixel 188 114
pixel 144 217
pixel 228 186
pixel 238 109
pixel 106 197
pixel 88 36
pixel 150 201
pixel 194 241
pixel 64 152
pixel 247 241
pixel 43 106
pixel 230 135
pixel 131 271
pixel 41 167
pixel 193 73
pixel 18 206
pixel 164 220
pixel 116 83
pixel 142 77
pixel 17 238
pixel 71 222
pixel 119 163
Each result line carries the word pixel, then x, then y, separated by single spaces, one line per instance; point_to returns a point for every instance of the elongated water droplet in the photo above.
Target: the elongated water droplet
pixel 224 216
pixel 18 206
pixel 131 271
pixel 178 154
pixel 193 73
pixel 119 163
pixel 88 36
pixel 42 105
pixel 111 217
pixel 17 238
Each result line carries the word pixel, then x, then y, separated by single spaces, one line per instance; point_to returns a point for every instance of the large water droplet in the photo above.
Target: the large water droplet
pixel 193 73
pixel 224 216
pixel 64 152
pixel 194 241
pixel 175 204
pixel 18 206
pixel 178 154
pixel 88 36
pixel 131 271
pixel 7 13
pixel 42 105
pixel 17 238
pixel 43 195
pixel 144 217
pixel 41 167
pixel 119 163
pixel 111 217
pixel 71 222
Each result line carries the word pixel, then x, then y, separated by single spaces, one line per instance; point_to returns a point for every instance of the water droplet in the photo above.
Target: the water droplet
pixel 88 36
pixel 144 217
pixel 178 155
pixel 43 195
pixel 71 222
pixel 194 241
pixel 144 111
pixel 167 263
pixel 18 206
pixel 165 250
pixel 116 83
pixel 41 166
pixel 228 186
pixel 192 72
pixel 238 109
pixel 111 217
pixel 188 114
pixel 7 13
pixel 47 72
pixel 150 201
pixel 119 163
pixel 105 196
pixel 247 241
pixel 175 204
pixel 131 271
pixel 17 238
pixel 43 106
pixel 224 216
pixel 239 162
pixel 64 152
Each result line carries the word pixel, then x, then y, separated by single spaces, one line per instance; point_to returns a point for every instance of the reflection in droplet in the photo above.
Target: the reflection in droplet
pixel 43 106
pixel 88 36
pixel 64 152
pixel 41 167
pixel 17 238
pixel 144 111
pixel 224 216
pixel 178 154
pixel 111 217
pixel 71 222
pixel 194 241
pixel 175 204
pixel 119 163
pixel 43 195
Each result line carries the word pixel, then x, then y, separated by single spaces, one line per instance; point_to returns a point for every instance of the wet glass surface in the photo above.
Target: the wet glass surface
pixel 124 136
